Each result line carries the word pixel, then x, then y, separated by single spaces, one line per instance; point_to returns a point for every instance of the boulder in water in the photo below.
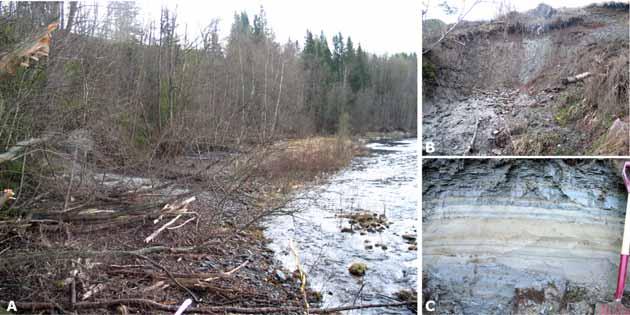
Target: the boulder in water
pixel 358 269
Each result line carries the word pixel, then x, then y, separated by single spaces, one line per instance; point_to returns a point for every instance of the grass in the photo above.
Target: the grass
pixel 597 144
pixel 562 116
pixel 390 135
pixel 275 171
pixel 308 158
pixel 576 111
pixel 293 163
pixel 571 108
pixel 540 143
pixel 614 140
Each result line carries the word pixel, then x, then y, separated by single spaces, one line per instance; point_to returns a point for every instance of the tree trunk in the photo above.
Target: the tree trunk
pixel 71 14
pixel 275 115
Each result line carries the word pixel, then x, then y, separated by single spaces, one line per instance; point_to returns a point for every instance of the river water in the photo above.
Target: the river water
pixel 386 182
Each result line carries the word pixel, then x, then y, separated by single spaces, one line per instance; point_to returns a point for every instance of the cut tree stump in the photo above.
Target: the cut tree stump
pixel 30 49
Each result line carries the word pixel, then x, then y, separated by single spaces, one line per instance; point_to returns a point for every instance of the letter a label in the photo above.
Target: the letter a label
pixel 11 307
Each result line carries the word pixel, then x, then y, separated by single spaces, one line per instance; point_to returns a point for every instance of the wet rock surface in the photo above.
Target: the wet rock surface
pixel 521 236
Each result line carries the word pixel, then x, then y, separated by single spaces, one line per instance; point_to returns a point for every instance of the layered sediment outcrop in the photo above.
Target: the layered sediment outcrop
pixel 513 236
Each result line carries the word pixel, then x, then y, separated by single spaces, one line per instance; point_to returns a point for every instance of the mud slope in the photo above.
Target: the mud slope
pixel 500 82
pixel 508 236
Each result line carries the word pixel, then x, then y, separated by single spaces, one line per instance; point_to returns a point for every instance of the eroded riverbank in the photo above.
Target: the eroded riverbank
pixel 507 86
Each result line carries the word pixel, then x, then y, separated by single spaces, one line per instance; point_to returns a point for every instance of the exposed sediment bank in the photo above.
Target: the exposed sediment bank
pixel 493 228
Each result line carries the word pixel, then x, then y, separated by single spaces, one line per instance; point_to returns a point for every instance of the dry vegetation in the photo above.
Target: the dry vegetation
pixel 306 159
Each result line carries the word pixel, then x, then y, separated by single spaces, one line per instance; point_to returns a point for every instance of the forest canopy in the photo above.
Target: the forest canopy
pixel 133 86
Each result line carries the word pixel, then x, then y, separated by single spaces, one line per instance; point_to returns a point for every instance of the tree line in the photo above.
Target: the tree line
pixel 134 86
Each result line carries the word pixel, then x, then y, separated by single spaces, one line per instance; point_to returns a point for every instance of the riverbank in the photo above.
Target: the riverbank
pixel 148 245
pixel 383 136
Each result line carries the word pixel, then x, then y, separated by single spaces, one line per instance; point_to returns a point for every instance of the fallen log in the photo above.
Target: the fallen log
pixel 204 276
pixel 170 275
pixel 180 208
pixel 150 304
pixel 94 289
pixel 158 231
pixel 14 151
pixel 78 253
pixel 574 79
pixel 138 270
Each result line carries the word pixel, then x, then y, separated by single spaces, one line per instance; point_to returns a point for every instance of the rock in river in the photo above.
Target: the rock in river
pixel 280 276
pixel 409 237
pixel 358 269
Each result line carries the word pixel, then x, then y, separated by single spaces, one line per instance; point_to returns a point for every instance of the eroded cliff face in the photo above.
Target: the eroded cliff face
pixel 519 236
pixel 529 50
pixel 475 70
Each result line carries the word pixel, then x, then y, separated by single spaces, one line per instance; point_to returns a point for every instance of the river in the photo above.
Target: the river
pixel 384 181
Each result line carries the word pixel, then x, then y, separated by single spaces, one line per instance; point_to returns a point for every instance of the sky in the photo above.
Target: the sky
pixel 487 9
pixel 380 26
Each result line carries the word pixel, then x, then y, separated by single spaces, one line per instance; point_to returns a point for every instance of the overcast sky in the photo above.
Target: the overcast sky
pixel 380 26
pixel 488 8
